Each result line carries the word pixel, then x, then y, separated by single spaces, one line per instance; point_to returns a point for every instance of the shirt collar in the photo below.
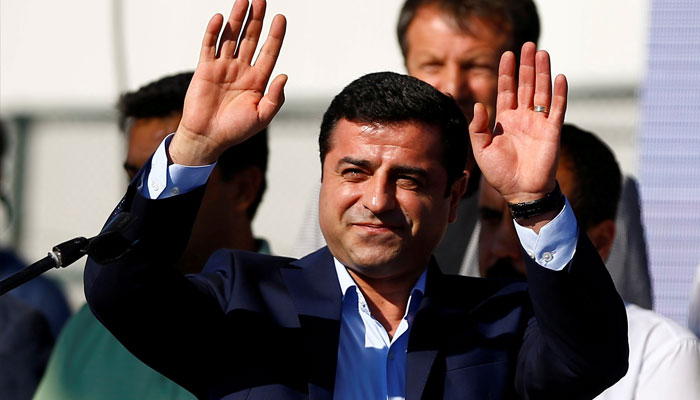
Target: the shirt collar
pixel 346 281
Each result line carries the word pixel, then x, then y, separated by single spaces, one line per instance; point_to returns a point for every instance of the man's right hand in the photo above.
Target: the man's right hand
pixel 226 101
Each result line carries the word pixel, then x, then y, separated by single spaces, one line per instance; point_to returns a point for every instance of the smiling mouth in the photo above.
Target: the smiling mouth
pixel 377 227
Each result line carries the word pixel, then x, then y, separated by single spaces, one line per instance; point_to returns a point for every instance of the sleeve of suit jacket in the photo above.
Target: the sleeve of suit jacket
pixel 578 345
pixel 170 323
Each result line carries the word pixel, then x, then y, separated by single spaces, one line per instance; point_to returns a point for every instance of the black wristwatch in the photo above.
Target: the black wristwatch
pixel 553 201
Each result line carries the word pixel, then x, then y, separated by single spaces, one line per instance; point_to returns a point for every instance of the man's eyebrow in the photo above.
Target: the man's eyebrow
pixel 408 170
pixel 355 161
pixel 396 170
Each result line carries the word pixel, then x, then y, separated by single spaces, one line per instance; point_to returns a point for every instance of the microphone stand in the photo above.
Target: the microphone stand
pixel 60 256
pixel 110 245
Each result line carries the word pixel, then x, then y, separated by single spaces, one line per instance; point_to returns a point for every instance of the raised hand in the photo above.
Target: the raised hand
pixel 226 101
pixel 520 157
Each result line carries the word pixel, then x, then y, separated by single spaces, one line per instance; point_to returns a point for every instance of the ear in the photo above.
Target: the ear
pixel 603 236
pixel 456 192
pixel 243 188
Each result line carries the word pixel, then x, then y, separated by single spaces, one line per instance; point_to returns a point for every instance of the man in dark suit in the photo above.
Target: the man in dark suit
pixel 370 316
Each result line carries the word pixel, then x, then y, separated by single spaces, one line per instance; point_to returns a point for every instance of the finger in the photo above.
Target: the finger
pixel 273 100
pixel 251 31
pixel 543 80
pixel 526 76
pixel 271 49
pixel 227 45
pixel 506 99
pixel 558 110
pixel 208 51
pixel 479 132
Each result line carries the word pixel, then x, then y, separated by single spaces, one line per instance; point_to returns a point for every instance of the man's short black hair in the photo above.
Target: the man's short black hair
pixel 154 100
pixel 597 176
pixel 518 16
pixel 166 96
pixel 388 97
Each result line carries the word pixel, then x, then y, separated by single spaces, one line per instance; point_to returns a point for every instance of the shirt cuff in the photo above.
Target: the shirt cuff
pixel 555 245
pixel 170 180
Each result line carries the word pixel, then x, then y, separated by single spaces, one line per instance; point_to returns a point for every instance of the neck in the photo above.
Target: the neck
pixel 387 298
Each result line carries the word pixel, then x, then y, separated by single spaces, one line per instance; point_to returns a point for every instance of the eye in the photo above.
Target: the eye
pixel 480 68
pixel 431 66
pixel 408 182
pixel 353 174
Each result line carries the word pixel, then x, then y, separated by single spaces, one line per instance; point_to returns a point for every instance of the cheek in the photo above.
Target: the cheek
pixel 426 218
pixel 335 200
pixel 484 88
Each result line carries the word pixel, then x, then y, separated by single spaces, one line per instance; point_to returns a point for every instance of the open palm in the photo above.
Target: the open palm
pixel 226 101
pixel 519 158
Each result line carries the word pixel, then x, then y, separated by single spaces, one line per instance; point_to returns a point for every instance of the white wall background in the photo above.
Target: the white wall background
pixel 59 58
pixel 58 53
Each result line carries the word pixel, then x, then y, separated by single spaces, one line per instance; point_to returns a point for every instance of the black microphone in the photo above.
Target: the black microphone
pixel 60 256
pixel 110 245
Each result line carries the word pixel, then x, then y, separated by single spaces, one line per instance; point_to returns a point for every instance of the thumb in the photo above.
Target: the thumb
pixel 479 132
pixel 273 100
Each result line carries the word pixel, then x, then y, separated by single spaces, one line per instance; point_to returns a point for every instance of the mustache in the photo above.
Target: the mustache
pixel 504 269
pixel 392 219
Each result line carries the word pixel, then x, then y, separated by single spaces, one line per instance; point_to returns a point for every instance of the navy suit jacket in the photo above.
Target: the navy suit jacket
pixel 262 327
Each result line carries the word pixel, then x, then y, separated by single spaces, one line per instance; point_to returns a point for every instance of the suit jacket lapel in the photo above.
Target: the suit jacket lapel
pixel 447 302
pixel 313 285
pixel 424 342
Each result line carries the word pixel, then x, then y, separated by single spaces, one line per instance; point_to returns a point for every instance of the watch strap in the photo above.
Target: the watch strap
pixel 553 201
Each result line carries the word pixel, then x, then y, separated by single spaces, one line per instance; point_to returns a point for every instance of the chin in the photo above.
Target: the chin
pixel 375 264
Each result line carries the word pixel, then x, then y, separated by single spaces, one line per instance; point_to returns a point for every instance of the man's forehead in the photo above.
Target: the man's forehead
pixel 469 22
pixel 359 139
pixel 385 129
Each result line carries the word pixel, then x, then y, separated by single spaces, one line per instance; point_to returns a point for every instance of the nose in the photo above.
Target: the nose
pixel 379 195
pixel 453 81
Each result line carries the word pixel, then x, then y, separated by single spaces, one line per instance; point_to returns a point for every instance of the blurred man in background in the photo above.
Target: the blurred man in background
pixel 88 362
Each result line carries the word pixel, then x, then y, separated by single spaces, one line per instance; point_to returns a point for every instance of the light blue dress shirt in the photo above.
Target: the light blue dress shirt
pixel 370 365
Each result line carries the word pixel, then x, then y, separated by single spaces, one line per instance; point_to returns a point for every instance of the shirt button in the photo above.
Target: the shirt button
pixel 547 256
pixel 154 185
pixel 391 355
pixel 175 191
